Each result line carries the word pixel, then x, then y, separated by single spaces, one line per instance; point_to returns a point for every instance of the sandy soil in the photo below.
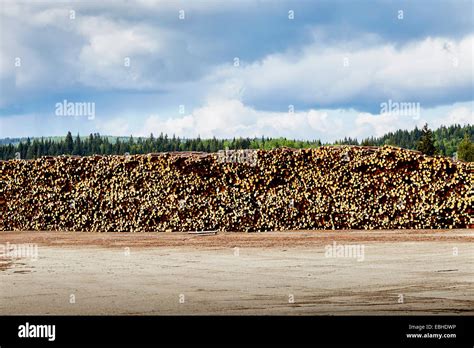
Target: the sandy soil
pixel 239 273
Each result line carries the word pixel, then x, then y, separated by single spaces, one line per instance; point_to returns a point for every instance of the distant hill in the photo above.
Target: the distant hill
pixel 57 139
pixel 446 141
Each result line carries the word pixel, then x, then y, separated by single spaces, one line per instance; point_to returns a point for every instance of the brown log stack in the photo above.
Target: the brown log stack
pixel 344 187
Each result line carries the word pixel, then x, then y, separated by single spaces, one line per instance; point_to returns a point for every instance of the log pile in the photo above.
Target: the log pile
pixel 344 187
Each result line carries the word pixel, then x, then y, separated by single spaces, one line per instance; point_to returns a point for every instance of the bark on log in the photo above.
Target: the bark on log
pixel 344 187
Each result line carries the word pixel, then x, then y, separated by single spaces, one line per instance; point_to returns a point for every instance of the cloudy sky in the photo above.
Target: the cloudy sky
pixel 299 69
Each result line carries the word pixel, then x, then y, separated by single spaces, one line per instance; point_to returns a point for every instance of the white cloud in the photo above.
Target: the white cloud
pixel 321 121
pixel 367 124
pixel 231 118
pixel 461 115
pixel 114 126
pixel 414 72
pixel 156 125
pixel 60 55
pixel 378 125
pixel 227 118
pixel 109 44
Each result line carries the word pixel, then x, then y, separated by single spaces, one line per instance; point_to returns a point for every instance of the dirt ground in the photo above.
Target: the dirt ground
pixel 289 273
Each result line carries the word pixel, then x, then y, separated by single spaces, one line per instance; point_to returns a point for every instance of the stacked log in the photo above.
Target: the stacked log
pixel 344 187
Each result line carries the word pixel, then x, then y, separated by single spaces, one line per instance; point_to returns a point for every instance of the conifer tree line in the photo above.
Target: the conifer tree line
pixel 443 141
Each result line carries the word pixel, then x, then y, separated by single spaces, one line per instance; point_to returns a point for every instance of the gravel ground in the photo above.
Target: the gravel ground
pixel 290 273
